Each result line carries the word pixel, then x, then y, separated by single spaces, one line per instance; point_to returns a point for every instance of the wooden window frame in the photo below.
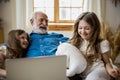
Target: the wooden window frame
pixel 56 13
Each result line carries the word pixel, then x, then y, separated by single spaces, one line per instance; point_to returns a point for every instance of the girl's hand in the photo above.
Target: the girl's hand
pixel 115 72
pixel 2 73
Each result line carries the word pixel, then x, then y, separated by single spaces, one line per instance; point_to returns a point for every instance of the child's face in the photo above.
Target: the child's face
pixel 84 30
pixel 24 40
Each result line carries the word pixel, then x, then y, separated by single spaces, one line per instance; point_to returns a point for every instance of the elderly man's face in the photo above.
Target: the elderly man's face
pixel 40 24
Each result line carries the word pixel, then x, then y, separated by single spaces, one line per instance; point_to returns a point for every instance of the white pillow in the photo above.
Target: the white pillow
pixel 3 49
pixel 76 63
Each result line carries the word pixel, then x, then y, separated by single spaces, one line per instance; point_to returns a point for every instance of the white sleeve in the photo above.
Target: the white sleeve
pixel 104 45
pixel 76 63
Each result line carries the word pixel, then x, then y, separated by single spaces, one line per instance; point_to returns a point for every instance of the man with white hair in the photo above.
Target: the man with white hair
pixel 42 42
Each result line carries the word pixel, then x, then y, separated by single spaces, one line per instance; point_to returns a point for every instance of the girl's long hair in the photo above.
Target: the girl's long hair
pixel 94 40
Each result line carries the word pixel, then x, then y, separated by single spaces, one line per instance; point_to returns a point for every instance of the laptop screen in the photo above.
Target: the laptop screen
pixel 40 68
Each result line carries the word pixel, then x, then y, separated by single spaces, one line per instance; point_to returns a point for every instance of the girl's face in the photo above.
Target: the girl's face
pixel 24 40
pixel 84 30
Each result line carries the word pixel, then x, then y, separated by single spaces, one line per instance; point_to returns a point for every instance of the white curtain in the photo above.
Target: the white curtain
pixel 23 10
pixel 97 6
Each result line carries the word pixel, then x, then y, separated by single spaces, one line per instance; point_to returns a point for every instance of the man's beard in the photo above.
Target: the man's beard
pixel 39 29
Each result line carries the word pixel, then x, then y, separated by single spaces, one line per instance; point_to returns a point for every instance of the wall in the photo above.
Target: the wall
pixel 6 12
pixel 112 16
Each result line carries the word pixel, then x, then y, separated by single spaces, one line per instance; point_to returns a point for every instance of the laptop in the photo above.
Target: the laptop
pixel 40 68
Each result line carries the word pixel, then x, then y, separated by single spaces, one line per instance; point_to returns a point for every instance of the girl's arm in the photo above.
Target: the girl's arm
pixel 114 72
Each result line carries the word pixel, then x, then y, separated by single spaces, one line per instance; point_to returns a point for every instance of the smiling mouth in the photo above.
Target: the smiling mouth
pixel 26 43
pixel 43 27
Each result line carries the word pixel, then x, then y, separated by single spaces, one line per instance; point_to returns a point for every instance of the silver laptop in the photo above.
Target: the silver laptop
pixel 41 68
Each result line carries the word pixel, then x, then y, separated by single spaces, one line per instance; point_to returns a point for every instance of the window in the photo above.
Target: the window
pixel 60 10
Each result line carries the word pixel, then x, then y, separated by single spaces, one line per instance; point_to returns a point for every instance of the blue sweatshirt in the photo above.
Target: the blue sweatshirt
pixel 44 44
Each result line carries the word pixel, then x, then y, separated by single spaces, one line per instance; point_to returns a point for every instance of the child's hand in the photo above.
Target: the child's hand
pixel 2 73
pixel 115 72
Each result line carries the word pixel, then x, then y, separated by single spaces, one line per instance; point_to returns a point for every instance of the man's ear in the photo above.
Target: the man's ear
pixel 31 21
